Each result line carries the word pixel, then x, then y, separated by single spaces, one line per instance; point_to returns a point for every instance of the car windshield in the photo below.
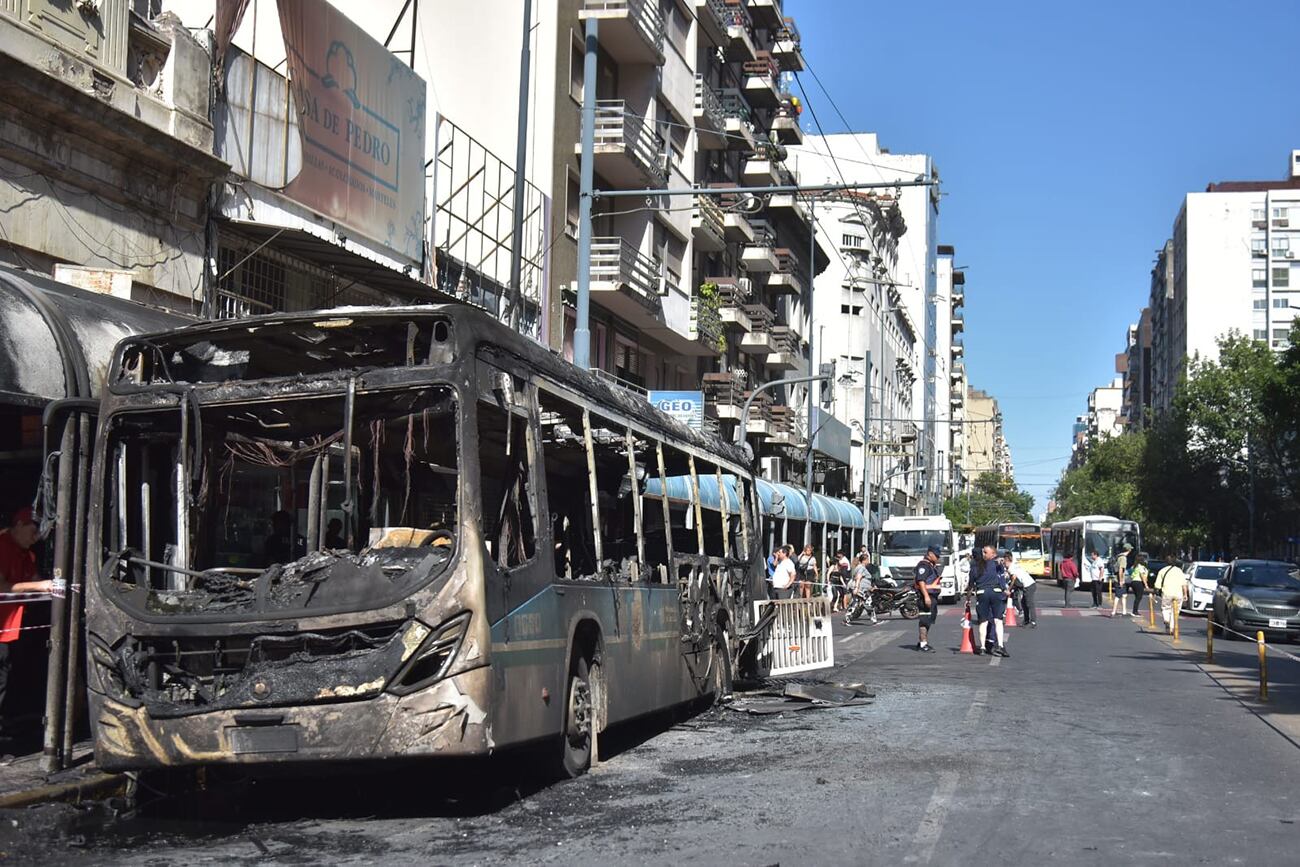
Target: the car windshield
pixel 1274 575
pixel 911 541
pixel 1209 573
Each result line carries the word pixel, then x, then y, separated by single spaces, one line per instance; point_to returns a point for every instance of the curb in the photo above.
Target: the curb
pixel 94 784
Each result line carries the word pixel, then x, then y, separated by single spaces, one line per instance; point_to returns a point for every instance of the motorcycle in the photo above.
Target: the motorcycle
pixel 883 599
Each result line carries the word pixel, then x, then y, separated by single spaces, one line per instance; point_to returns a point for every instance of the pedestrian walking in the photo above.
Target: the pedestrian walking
pixel 1069 572
pixel 17 575
pixel 1119 602
pixel 991 602
pixel 927 581
pixel 861 585
pixel 840 581
pixel 1094 571
pixel 1171 581
pixel 806 568
pixel 784 578
pixel 1027 586
pixel 1138 576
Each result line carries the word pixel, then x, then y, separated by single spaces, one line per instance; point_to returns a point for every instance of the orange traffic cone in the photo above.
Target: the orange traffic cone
pixel 967 644
pixel 1012 618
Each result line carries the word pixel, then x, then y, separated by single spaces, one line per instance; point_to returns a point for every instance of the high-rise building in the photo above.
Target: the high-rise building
pixel 1103 419
pixel 880 297
pixel 1134 367
pixel 1230 266
pixel 986 448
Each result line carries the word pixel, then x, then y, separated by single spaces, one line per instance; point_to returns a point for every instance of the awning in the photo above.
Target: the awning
pixel 774 499
pixel 57 341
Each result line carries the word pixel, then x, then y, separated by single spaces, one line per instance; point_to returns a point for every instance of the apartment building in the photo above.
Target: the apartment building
pixel 986 448
pixel 950 373
pixel 880 298
pixel 1103 419
pixel 1230 265
pixel 1134 367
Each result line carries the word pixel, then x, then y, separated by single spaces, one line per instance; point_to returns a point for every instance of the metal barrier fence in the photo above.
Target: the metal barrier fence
pixel 800 638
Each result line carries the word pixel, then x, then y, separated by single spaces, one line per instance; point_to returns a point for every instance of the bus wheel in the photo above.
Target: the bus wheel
pixel 722 672
pixel 579 721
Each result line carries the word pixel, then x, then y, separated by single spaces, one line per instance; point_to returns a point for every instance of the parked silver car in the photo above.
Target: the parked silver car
pixel 1259 595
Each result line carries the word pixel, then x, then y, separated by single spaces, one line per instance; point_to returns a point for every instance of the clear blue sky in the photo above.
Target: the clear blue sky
pixel 1066 136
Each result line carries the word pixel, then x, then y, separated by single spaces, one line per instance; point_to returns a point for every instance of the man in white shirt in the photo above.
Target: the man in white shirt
pixel 1094 570
pixel 1025 583
pixel 783 577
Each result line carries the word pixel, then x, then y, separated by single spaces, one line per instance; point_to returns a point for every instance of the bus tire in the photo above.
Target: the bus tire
pixel 578 739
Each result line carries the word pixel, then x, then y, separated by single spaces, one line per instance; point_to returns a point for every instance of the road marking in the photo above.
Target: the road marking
pixel 997 660
pixel 931 826
pixel 977 707
pixel 846 639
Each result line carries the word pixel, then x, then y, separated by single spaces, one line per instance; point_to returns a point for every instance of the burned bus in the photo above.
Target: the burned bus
pixel 378 533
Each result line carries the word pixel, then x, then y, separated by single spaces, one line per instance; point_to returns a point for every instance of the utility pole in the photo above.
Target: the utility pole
pixel 812 345
pixel 586 174
pixel 521 157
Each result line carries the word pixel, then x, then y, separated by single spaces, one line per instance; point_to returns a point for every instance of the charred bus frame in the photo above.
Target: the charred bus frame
pixel 501 572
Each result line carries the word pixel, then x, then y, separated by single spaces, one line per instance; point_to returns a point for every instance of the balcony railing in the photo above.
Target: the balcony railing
pixel 738 28
pixel 708 225
pixel 631 30
pixel 615 261
pixel 784 340
pixel 763 78
pixel 620 129
pixel 761 316
pixel 706 322
pixel 708 106
pixel 232 305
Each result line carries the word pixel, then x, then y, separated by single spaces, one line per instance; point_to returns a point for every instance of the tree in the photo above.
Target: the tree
pixel 993 499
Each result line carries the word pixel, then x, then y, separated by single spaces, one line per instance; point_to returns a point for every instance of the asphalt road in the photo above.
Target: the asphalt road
pixel 1093 743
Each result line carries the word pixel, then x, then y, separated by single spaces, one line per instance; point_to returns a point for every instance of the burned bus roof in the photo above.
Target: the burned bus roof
pixel 334 351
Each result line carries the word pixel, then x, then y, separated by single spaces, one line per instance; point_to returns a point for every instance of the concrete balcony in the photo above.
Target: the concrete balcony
pixel 733 294
pixel 957 349
pixel 736 225
pixel 762 78
pixel 786 127
pixel 766 13
pixel 787 427
pixel 786 47
pixel 738 42
pixel 725 394
pixel 707 226
pixel 628 152
pixel 759 257
pixel 738 121
pixel 758 341
pixel 958 299
pixel 627 283
pixel 787 279
pixel 760 171
pixel 785 353
pixel 632 31
pixel 958 323
pixel 710 117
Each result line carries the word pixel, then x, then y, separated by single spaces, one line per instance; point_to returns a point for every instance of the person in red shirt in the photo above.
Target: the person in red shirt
pixel 17 575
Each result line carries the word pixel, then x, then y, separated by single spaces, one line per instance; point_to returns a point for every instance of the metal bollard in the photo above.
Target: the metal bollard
pixel 1209 637
pixel 1263 665
pixel 1174 613
pixel 1110 591
pixel 1151 611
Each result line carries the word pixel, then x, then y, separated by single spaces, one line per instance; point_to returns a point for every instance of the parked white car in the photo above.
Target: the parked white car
pixel 1203 576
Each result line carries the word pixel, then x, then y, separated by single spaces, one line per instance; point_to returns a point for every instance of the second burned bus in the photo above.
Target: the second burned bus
pixel 376 533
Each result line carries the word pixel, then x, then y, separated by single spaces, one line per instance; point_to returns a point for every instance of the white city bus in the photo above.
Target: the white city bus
pixel 903 541
pixel 1073 539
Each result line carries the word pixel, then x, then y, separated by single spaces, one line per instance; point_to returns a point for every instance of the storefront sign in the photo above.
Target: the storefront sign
pixel 360 114
pixel 685 406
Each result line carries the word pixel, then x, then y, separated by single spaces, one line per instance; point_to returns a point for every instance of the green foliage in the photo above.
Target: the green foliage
pixel 1227 445
pixel 994 498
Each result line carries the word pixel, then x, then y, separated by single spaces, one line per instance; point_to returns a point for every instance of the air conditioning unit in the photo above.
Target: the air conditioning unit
pixel 1290 255
pixel 770 469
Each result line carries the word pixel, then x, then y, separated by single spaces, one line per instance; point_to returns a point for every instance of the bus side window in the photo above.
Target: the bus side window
pixel 509 525
pixel 684 537
pixel 617 492
pixel 564 456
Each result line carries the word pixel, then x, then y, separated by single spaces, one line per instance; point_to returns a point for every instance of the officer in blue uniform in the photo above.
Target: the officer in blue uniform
pixel 926 578
pixel 991 601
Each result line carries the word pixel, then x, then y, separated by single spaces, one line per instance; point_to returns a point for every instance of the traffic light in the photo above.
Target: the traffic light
pixel 827 372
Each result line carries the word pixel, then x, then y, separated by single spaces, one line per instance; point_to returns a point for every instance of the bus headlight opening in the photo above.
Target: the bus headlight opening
pixel 435 656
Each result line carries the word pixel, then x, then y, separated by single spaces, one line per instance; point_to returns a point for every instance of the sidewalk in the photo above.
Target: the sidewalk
pixel 23 783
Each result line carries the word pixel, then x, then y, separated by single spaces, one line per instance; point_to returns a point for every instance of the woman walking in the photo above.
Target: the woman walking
pixel 1138 577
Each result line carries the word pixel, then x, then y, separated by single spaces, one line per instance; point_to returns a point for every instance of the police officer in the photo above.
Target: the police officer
pixel 991 601
pixel 927 590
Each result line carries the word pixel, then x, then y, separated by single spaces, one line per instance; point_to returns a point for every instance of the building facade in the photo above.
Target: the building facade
pixel 986 448
pixel 1231 265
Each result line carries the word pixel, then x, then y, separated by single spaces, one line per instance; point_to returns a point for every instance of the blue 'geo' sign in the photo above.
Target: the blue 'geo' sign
pixel 685 406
